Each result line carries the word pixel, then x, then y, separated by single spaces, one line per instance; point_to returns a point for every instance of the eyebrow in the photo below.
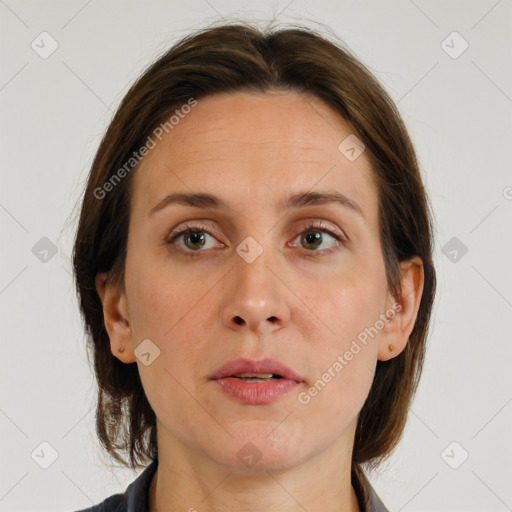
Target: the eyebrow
pixel 299 200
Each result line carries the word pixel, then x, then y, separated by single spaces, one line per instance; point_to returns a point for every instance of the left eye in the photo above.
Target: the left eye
pixel 313 237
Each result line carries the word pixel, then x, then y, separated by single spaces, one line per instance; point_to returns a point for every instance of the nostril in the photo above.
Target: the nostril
pixel 239 320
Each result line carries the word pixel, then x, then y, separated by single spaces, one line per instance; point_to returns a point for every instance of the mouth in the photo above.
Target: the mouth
pixel 249 370
pixel 256 377
pixel 253 382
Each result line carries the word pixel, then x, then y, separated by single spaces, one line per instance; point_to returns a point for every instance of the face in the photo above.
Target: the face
pixel 301 289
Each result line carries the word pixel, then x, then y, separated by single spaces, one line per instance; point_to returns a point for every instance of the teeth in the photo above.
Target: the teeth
pixel 255 375
pixel 255 379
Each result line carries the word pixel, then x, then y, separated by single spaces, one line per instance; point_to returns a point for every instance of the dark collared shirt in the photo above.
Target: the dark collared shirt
pixel 136 496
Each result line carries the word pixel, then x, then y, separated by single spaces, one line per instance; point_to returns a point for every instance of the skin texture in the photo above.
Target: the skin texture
pixel 302 303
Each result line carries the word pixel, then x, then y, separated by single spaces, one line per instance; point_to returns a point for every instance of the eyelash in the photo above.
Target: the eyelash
pixel 312 226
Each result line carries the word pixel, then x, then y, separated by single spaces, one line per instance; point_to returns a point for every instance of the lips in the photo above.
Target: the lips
pixel 249 366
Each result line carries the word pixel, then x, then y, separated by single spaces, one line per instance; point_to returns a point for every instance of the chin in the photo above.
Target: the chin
pixel 263 447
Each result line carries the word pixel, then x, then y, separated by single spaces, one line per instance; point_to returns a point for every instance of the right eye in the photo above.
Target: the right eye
pixel 193 237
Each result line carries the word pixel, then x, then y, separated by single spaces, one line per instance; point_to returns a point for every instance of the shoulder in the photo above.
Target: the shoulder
pixel 375 503
pixel 134 499
pixel 115 503
pixel 369 500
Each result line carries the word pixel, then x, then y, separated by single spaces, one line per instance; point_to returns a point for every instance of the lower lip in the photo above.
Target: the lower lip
pixel 255 393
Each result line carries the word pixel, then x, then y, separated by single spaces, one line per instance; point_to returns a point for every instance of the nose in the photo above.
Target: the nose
pixel 255 298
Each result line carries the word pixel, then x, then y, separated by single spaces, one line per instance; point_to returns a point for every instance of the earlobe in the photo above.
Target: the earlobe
pixel 115 318
pixel 395 336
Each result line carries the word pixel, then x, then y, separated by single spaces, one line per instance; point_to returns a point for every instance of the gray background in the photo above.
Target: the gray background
pixel 54 111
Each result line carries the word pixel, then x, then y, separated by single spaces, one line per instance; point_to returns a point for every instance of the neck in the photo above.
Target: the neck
pixel 188 481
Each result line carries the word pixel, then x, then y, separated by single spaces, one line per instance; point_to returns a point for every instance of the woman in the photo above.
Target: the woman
pixel 254 265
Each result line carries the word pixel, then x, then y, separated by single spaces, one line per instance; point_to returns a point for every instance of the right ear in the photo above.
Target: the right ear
pixel 116 319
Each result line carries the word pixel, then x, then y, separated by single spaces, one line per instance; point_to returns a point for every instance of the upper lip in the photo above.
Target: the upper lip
pixel 251 366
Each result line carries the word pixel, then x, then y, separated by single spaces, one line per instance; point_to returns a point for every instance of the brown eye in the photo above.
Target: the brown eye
pixel 312 238
pixel 196 238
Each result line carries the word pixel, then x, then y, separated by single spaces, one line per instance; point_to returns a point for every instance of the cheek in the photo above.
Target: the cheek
pixel 346 344
pixel 158 300
pixel 344 307
pixel 175 315
pixel 174 320
pixel 344 375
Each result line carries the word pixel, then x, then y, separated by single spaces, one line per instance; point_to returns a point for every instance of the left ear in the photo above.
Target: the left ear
pixel 402 312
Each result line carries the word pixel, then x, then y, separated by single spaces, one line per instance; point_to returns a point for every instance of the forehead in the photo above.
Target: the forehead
pixel 254 147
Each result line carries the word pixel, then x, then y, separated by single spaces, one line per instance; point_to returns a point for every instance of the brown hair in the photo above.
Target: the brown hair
pixel 236 57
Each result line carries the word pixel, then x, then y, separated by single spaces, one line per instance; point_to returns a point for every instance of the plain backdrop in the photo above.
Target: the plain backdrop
pixel 448 67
